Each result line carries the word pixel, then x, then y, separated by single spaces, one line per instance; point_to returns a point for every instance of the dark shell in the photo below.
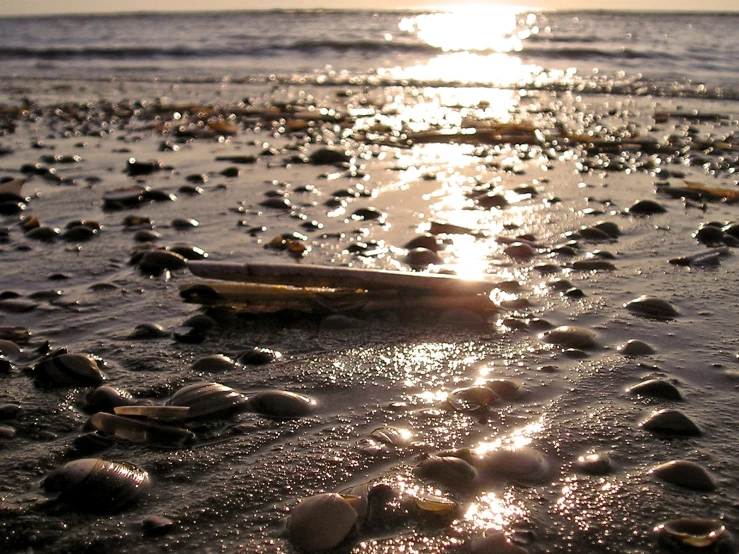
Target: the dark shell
pixel 656 388
pixel 207 399
pixel 148 331
pixel 321 522
pixel 525 465
pixel 651 306
pixel 281 404
pixel 106 398
pixel 329 156
pixel 593 234
pixel 368 214
pixel 428 241
pixel 646 207
pixel 68 369
pixel 520 251
pixel 98 486
pixel 183 223
pixel 695 533
pixel 596 463
pixel 670 422
pixel 422 257
pixel 492 200
pixel 214 362
pixel 139 431
pixel 709 235
pixel 635 347
pixel 155 261
pixel 155 525
pixel 685 474
pixel 608 227
pixel 17 305
pixel 258 356
pixel 593 264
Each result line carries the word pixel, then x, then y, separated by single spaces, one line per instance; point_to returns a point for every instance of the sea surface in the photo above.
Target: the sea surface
pixel 670 54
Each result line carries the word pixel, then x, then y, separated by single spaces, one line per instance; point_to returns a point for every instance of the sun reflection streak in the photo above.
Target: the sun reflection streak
pixel 494 511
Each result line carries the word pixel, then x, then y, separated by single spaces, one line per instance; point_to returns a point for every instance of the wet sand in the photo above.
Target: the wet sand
pixel 234 487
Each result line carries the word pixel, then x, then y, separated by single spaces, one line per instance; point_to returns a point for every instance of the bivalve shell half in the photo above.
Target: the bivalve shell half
pixel 569 336
pixel 671 422
pixel 207 400
pixel 635 347
pixel 652 307
pixel 697 533
pixel 281 404
pixel 525 465
pixel 68 370
pixel 686 474
pixel 656 388
pixel 95 485
pixel 449 471
pixel 138 431
pixel 321 522
pixel 214 363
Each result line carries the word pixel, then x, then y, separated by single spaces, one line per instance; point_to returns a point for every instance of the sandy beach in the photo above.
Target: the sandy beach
pixel 542 187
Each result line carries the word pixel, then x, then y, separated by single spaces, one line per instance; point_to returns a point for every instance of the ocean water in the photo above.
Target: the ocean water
pixel 665 54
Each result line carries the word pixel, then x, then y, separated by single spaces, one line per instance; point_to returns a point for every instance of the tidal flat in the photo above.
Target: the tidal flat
pixel 572 205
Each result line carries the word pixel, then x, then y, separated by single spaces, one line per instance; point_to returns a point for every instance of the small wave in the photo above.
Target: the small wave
pixel 369 46
pixel 585 54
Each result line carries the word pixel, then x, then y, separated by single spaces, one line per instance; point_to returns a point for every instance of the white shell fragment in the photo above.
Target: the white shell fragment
pixel 320 522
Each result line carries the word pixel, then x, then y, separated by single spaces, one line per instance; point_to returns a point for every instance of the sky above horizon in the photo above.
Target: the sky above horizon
pixel 33 7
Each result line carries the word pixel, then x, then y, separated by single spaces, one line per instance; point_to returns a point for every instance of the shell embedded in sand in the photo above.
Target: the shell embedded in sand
pixel 569 336
pixel 635 347
pixel 68 369
pixel 207 399
pixel 670 421
pixel 214 362
pixel 696 533
pixel 595 463
pixel 656 388
pixel 686 474
pixel 95 485
pixel 321 522
pixel 523 465
pixel 651 306
pixel 472 398
pixel 449 471
pixel 281 404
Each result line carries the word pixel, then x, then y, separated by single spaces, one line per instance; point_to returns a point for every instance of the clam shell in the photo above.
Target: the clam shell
pixel 525 465
pixel 520 251
pixel 635 347
pixel 657 388
pixel 651 306
pixel 596 463
pixel 207 400
pixel 68 369
pixel 106 398
pixel 449 471
pixel 698 533
pixel 161 413
pixel 258 356
pixel 593 264
pixel 504 388
pixel 435 504
pixel 686 474
pixel 321 522
pixel 95 485
pixel 10 350
pixel 214 362
pixel 670 421
pixel 472 398
pixel 138 431
pixel 281 404
pixel 569 336
pixel 392 436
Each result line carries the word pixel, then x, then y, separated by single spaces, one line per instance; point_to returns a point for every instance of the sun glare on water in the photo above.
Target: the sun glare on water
pixel 478 44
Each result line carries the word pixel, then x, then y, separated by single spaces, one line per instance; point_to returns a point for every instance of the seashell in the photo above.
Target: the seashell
pixel 89 443
pixel 122 197
pixel 9 411
pixel 686 474
pixel 189 252
pixel 709 258
pixel 207 400
pixel 593 264
pixel 137 431
pixel 496 543
pixel 6 432
pixel 105 399
pixel 525 465
pixel 281 404
pixel 593 234
pixel 95 485
pixel 161 413
pixel 646 207
pixel 136 167
pixel 472 398
pixel 184 223
pixel 367 214
pixel 596 463
pixel 435 505
pixel 19 335
pixel 651 306
pixel 710 235
pixel 610 228
pixel 603 254
pixel 696 533
pixel 10 350
pixel 427 241
pixel 520 251
pixel 43 233
pixel 329 156
pixel 17 305
pixel 157 525
pixel 392 436
pixel 369 501
pixel 504 388
pixel 492 200
pixel 635 347
pixel 569 336
pixel 320 522
pixel 560 285
pixel 258 356
pixel 154 262
pixel 422 257
pixel 450 471
pixel 214 362
pixel 657 388
pixel 144 331
pixel 574 292
pixel 68 369
pixel 79 233
pixel 670 421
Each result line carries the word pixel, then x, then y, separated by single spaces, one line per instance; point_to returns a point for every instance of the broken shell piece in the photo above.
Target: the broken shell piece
pixel 320 522
pixel 698 533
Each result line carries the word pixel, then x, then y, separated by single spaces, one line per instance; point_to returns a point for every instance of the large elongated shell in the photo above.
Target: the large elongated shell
pixel 95 485
pixel 321 522
pixel 134 430
pixel 68 369
pixel 207 399
pixel 686 474
pixel 569 336
pixel 281 404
